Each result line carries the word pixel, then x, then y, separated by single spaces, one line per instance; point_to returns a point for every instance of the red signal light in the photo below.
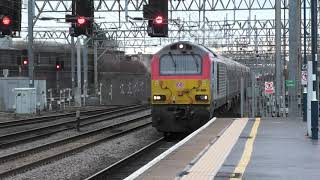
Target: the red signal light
pixel 58 66
pixel 159 19
pixel 25 62
pixel 81 20
pixel 6 21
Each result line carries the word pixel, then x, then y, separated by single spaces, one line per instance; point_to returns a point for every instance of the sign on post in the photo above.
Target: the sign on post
pixel 304 76
pixel 290 83
pixel 268 87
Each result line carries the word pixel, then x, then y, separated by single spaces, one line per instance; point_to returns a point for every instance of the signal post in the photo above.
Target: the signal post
pixel 81 20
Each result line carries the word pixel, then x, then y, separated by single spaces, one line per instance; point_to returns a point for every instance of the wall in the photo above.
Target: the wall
pixel 125 88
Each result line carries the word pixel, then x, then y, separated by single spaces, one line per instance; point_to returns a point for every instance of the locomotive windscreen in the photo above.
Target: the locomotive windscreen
pixel 180 64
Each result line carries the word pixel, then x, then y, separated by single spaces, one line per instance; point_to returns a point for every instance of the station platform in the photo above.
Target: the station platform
pixel 226 148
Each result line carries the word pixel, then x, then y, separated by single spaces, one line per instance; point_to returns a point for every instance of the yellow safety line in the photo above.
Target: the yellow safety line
pixel 246 156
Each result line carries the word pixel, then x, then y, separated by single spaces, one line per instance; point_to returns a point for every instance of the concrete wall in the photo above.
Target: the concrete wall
pixel 125 88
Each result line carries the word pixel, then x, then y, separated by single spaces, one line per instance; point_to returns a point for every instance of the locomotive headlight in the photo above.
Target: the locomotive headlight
pixel 159 97
pixel 155 97
pixel 201 97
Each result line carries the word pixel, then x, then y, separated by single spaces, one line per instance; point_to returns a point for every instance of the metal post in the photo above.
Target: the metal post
pixel 73 54
pixel 204 20
pixel 304 59
pixel 73 64
pixel 254 105
pixel 57 80
pixel 95 61
pixel 283 63
pixel 264 105
pixel 314 49
pixel 111 91
pixel 294 50
pixel 84 95
pixel 78 92
pixel 69 96
pixel 50 102
pixel 256 46
pixel 126 9
pixel 261 97
pixel 85 72
pixel 64 99
pixel 271 105
pixel 253 95
pixel 30 41
pixel 60 100
pixel 305 98
pixel 100 93
pixel 309 95
pixel 38 108
pixel 249 23
pixel 241 96
pixel 78 116
pixel 278 55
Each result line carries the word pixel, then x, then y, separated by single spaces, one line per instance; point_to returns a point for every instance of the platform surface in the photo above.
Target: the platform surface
pixel 280 151
pixel 176 162
pixel 265 149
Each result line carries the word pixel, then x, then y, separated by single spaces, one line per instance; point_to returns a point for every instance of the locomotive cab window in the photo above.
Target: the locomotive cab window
pixel 180 64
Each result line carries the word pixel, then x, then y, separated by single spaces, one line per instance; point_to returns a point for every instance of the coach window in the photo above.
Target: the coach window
pixel 218 77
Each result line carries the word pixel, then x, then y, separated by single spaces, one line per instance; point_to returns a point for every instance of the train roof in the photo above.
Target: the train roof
pixel 187 44
pixel 198 47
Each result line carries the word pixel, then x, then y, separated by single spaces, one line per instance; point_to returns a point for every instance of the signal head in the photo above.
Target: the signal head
pixel 158 20
pixel 25 62
pixel 81 20
pixel 6 21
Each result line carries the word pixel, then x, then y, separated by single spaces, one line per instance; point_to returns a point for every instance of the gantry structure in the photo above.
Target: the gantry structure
pixel 237 28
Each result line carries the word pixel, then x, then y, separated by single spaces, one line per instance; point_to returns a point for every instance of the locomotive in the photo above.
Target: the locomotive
pixel 188 83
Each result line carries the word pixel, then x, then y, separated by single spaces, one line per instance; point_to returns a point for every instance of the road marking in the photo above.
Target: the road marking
pixel 246 156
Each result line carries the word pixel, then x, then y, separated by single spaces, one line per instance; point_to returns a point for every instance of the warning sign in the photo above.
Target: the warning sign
pixel 268 87
pixel 304 77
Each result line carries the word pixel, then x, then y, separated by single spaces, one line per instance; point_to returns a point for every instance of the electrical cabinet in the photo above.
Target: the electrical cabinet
pixel 25 100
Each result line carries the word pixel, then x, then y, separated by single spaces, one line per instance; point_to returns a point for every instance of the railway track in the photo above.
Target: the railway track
pixel 133 162
pixel 28 159
pixel 42 119
pixel 15 138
